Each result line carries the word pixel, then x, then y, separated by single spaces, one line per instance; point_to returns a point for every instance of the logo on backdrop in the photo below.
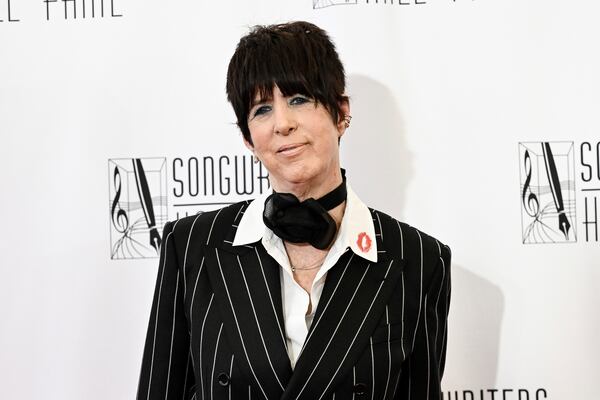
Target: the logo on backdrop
pixel 209 182
pixel 138 206
pixel 548 192
pixel 496 394
pixel 559 191
pixel 63 10
pixel 328 3
pixel 144 193
pixel 8 11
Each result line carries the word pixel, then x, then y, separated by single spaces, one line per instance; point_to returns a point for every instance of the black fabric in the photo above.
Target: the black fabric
pixel 304 221
pixel 379 328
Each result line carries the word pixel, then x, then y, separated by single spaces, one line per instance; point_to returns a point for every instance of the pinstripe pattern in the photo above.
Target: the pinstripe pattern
pixel 212 225
pixel 262 339
pixel 195 287
pixel 437 300
pixel 389 355
pixel 186 375
pixel 428 355
pixel 216 323
pixel 402 314
pixel 372 369
pixel 401 240
pixel 230 372
pixel 238 328
pixel 420 286
pixel 353 381
pixel 187 246
pixel 410 390
pixel 315 324
pixel 212 374
pixel 358 330
pixel 240 211
pixel 331 337
pixel 380 233
pixel 172 331
pixel 212 296
pixel 279 324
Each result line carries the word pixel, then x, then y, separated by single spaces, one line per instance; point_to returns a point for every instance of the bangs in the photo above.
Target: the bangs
pixel 263 91
pixel 280 63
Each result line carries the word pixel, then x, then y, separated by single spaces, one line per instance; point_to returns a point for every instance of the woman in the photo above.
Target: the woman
pixel 305 293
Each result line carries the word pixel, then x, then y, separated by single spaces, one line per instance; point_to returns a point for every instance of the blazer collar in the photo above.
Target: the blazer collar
pixel 357 230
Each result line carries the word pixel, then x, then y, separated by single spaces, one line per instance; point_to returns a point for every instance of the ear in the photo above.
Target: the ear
pixel 248 145
pixel 345 110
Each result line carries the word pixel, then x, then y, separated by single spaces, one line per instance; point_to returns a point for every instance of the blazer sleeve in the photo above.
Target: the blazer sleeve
pixel 422 372
pixel 166 370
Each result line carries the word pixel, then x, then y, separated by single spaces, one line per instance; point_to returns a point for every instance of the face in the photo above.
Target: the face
pixel 297 141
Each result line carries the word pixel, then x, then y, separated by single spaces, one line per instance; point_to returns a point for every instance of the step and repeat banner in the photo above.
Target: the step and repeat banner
pixel 473 120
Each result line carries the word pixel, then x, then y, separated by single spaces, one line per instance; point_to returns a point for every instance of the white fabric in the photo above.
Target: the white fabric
pixel 357 221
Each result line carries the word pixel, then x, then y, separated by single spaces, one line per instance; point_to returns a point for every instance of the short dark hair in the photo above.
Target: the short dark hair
pixel 298 57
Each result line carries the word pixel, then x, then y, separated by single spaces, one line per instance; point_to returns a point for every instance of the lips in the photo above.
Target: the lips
pixel 289 147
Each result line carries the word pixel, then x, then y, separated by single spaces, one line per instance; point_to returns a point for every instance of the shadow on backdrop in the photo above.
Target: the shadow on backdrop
pixel 476 311
pixel 374 148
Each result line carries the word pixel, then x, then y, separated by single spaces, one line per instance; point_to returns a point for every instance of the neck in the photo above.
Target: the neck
pixel 315 188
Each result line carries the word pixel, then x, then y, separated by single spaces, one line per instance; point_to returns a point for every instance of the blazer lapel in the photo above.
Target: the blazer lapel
pixel 247 289
pixel 353 300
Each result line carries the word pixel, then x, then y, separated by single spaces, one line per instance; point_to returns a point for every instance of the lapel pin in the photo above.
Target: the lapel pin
pixel 364 242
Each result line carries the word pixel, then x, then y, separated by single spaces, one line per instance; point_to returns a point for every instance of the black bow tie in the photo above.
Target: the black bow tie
pixel 307 221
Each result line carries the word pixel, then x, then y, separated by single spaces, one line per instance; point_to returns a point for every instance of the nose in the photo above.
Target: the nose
pixel 285 122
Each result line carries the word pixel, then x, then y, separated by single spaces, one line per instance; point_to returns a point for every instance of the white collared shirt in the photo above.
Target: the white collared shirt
pixel 356 233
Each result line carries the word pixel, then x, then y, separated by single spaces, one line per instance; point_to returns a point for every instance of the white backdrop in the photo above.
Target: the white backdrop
pixel 447 96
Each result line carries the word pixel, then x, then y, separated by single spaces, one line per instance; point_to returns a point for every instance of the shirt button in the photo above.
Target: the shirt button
pixel 359 388
pixel 223 379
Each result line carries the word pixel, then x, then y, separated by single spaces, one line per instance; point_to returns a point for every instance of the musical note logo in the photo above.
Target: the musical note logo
pixel 138 206
pixel 547 192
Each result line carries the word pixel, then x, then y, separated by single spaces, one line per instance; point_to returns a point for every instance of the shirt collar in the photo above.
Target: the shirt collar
pixel 357 230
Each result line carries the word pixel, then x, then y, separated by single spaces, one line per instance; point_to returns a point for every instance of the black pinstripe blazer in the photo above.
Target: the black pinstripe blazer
pixel 216 326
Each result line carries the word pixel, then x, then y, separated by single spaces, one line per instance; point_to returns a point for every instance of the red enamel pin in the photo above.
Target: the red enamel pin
pixel 364 242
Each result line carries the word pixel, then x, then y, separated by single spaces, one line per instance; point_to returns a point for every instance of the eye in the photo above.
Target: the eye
pixel 299 100
pixel 262 110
